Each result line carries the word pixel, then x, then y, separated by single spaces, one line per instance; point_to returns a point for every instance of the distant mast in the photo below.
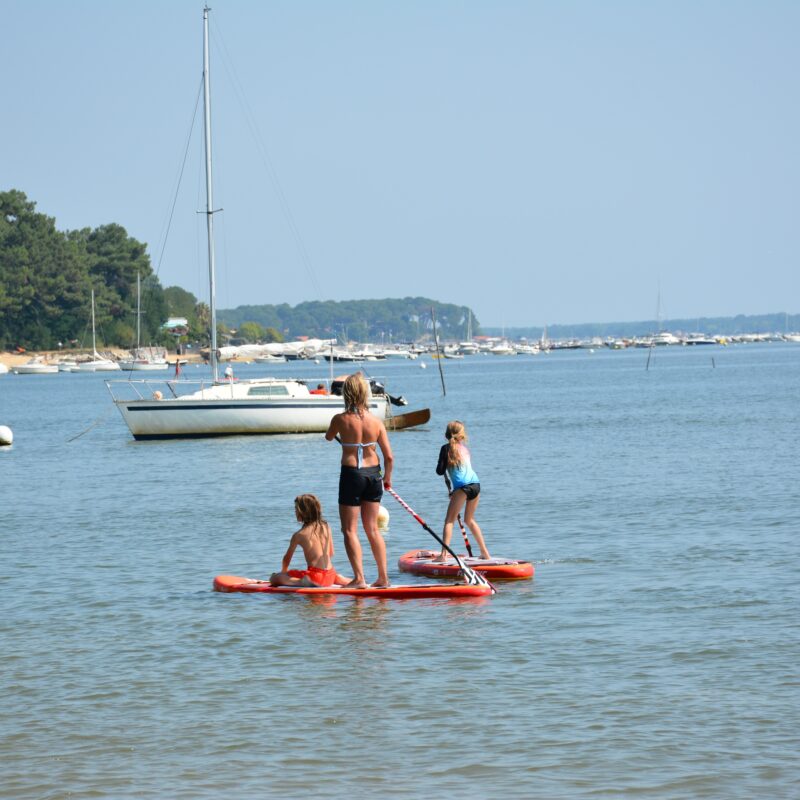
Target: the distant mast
pixel 138 311
pixel 209 200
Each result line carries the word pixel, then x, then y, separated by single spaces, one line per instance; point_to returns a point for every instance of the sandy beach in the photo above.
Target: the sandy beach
pixel 12 360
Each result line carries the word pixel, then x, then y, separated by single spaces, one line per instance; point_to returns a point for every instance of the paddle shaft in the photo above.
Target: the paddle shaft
pixel 422 522
pixel 460 523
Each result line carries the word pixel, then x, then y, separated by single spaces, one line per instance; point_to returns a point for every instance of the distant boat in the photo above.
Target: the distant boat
pixel 502 349
pixel 665 338
pixel 96 363
pixel 36 366
pixel 270 359
pixel 144 358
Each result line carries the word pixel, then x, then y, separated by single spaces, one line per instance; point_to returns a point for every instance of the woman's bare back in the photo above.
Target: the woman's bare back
pixel 354 429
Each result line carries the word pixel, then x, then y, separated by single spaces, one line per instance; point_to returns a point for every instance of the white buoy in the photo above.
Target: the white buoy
pixel 422 365
pixel 6 437
pixel 383 518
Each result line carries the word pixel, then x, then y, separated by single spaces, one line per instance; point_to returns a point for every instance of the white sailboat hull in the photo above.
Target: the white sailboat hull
pixel 36 369
pixel 234 409
pixel 143 366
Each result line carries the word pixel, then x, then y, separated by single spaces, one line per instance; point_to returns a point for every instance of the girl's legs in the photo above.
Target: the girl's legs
pixel 349 519
pixel 457 499
pixel 283 579
pixel 469 521
pixel 369 519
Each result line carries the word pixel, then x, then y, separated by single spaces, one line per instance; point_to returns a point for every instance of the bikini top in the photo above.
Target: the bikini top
pixel 360 446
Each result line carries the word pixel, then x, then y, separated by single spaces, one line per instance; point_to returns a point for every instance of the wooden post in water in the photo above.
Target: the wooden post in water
pixel 438 353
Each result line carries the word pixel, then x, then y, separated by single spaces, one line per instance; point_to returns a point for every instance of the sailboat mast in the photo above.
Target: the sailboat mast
pixel 209 200
pixel 138 310
pixel 94 338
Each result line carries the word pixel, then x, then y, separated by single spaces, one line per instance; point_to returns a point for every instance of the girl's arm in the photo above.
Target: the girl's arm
pixel 441 465
pixel 388 458
pixel 330 540
pixel 287 559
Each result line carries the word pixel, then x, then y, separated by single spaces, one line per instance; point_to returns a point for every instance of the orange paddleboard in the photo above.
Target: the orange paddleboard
pixel 234 583
pixel 420 562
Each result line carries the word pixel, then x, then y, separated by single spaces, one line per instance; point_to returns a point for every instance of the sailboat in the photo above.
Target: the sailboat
pixel 96 363
pixel 468 347
pixel 221 408
pixel 144 358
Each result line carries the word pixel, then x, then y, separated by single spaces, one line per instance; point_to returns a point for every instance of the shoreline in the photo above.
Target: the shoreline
pixel 12 360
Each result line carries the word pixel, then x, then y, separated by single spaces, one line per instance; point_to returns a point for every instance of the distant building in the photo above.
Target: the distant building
pixel 177 326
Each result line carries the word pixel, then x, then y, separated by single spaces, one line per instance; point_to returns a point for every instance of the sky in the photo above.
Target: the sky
pixel 539 162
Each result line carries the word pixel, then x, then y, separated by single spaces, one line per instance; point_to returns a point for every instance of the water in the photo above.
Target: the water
pixel 654 655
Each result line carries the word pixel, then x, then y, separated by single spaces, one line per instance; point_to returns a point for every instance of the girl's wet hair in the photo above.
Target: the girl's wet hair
pixel 308 508
pixel 456 434
pixel 355 392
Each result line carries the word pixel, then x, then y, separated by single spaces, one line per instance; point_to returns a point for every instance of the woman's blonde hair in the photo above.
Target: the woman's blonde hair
pixel 355 392
pixel 456 434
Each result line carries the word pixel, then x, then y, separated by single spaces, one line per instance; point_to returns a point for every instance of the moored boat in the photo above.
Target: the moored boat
pixel 170 409
pixel 36 366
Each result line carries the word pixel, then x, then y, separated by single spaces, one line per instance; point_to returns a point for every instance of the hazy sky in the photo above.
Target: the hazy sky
pixel 541 162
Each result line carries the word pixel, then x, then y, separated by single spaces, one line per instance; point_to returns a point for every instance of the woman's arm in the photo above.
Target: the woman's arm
pixel 388 458
pixel 333 428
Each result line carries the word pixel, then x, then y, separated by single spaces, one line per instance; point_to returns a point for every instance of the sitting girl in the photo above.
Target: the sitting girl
pixel 316 542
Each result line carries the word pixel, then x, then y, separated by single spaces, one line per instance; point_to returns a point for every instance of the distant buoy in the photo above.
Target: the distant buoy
pixel 383 518
pixel 6 437
pixel 317 361
pixel 422 365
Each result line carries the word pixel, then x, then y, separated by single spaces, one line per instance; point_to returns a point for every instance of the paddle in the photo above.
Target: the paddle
pixel 470 576
pixel 460 523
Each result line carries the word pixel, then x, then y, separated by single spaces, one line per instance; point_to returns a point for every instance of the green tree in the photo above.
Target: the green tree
pixel 41 277
pixel 251 332
pixel 180 303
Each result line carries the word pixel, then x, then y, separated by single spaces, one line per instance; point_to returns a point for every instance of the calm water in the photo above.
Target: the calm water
pixel 654 655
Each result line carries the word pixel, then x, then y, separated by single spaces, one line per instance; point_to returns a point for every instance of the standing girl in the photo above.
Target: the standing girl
pixel 455 465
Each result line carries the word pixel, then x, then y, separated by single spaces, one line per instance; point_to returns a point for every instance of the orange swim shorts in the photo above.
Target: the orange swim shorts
pixel 321 577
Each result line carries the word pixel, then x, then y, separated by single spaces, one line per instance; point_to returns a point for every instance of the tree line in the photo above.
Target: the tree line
pixel 389 320
pixel 47 277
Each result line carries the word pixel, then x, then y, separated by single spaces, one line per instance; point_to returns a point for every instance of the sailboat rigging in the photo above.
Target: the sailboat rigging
pixel 255 406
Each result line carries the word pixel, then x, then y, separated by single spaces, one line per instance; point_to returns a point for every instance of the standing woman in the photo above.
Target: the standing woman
pixel 456 464
pixel 360 484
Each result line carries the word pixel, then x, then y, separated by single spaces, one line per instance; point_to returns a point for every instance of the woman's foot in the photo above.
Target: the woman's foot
pixel 381 585
pixel 356 584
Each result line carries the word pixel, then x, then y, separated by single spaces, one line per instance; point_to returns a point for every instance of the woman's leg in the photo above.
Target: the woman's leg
pixel 349 518
pixel 469 521
pixel 369 519
pixel 457 499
